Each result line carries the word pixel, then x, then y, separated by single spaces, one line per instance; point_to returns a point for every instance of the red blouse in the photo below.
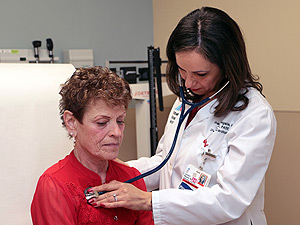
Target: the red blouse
pixel 59 197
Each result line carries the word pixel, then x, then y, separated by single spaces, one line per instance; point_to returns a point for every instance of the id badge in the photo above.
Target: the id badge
pixel 194 178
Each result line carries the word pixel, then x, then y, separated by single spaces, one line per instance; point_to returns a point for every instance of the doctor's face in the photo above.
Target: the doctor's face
pixel 201 76
pixel 100 134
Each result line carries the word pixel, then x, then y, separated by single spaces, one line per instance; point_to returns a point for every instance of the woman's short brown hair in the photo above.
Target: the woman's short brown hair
pixel 89 84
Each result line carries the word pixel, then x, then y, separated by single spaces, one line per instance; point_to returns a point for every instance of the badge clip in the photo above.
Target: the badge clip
pixel 210 155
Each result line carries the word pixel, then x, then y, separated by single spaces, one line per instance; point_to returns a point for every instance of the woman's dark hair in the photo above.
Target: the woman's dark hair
pixel 89 84
pixel 216 36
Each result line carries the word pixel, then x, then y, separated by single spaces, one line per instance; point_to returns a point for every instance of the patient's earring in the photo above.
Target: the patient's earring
pixel 73 138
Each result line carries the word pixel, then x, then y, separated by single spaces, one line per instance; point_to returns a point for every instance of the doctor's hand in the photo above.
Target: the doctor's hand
pixel 120 194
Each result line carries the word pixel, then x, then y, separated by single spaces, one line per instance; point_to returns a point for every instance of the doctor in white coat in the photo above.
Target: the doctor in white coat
pixel 217 170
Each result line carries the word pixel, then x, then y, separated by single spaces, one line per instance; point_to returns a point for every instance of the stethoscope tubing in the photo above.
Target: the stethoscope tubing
pixel 182 116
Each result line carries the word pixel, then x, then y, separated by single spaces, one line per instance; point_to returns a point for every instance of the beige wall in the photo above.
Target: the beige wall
pixel 282 198
pixel 272 35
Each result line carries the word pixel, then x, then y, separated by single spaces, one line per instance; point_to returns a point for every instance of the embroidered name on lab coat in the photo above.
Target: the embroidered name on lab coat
pixel 222 127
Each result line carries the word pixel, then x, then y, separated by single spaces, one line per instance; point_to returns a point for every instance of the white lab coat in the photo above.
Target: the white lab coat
pixel 242 141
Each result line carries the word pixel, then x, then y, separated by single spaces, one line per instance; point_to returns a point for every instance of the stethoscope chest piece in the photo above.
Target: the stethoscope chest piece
pixel 90 195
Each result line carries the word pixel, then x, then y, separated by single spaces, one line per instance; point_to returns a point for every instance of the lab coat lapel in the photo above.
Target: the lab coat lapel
pixel 180 134
pixel 205 112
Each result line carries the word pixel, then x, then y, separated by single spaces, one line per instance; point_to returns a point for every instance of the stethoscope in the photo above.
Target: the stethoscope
pixel 182 116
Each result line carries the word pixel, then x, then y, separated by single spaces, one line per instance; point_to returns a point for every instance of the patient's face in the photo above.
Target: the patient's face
pixel 100 134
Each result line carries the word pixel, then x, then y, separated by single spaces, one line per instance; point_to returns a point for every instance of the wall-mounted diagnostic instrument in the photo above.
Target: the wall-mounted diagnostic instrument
pixel 35 55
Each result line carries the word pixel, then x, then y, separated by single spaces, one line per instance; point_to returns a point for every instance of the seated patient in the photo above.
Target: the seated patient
pixel 93 107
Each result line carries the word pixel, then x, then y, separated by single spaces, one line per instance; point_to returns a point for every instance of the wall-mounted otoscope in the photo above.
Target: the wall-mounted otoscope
pixel 36 45
pixel 50 49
